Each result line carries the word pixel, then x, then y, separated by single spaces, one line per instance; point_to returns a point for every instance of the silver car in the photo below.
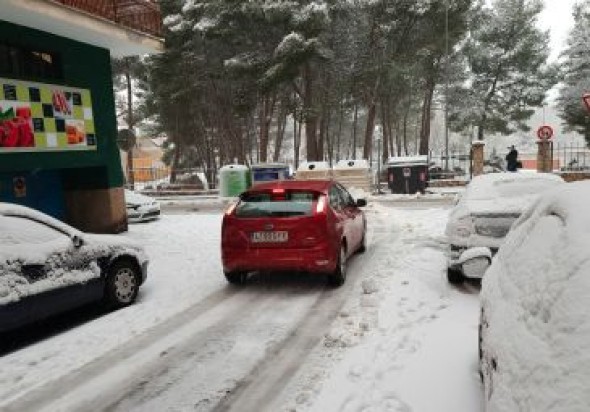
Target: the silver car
pixel 48 267
pixel 482 218
pixel 141 208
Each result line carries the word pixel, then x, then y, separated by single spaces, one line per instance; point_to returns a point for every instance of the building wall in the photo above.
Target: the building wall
pixel 76 180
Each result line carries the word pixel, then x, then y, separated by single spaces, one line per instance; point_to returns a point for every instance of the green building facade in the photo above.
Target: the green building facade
pixel 58 126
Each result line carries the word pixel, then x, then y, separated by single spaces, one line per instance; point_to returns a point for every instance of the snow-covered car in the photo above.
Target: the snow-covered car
pixel 48 267
pixel 141 208
pixel 483 216
pixel 534 326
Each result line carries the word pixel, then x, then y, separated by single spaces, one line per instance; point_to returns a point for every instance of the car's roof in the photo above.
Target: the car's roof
pixel 491 184
pixel 569 202
pixel 12 209
pixel 314 185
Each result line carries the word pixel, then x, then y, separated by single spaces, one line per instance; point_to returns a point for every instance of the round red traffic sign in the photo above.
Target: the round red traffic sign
pixel 545 132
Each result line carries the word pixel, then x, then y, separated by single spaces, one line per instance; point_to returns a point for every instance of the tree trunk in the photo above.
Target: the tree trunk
pixel 311 118
pixel 130 171
pixel 281 125
pixel 322 135
pixel 398 139
pixel 296 139
pixel 370 127
pixel 425 122
pixel 406 114
pixel 175 163
pixel 338 140
pixel 267 106
pixel 385 138
pixel 354 123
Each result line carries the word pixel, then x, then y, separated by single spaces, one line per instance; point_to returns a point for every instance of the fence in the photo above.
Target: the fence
pixel 456 166
pixel 571 157
pixel 158 178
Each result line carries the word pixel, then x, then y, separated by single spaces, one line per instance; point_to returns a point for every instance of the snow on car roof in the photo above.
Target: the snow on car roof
pixel 11 209
pixel 506 193
pixel 507 184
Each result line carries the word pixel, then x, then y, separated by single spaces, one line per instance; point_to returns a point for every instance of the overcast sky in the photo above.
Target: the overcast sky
pixel 557 17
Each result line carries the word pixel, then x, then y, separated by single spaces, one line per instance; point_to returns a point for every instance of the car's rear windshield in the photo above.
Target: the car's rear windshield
pixel 283 204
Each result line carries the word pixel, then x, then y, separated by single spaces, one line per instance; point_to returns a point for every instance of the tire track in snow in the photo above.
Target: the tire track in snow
pixel 394 279
pixel 40 397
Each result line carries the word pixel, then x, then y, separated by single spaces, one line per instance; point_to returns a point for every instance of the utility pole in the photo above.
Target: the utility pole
pixel 447 85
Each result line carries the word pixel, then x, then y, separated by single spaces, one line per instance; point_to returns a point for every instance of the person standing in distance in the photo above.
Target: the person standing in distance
pixel 512 159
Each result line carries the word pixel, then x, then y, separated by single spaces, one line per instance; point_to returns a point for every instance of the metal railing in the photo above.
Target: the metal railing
pixel 571 157
pixel 159 178
pixel 140 15
pixel 459 165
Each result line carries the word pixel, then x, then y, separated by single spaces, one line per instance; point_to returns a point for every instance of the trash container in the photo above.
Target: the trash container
pixel 233 180
pixel 407 175
pixel 353 174
pixel 313 171
pixel 268 172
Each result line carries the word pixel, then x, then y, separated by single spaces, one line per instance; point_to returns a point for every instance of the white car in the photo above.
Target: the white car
pixel 535 328
pixel 483 216
pixel 141 208
pixel 48 267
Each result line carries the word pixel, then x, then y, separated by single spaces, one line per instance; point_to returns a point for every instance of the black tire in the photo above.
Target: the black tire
pixel 455 276
pixel 338 277
pixel 122 283
pixel 236 278
pixel 363 246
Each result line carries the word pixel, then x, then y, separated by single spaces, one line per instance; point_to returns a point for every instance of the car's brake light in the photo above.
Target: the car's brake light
pixel 278 191
pixel 231 208
pixel 321 205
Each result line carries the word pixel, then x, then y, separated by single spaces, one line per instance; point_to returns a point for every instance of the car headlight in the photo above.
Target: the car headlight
pixel 462 227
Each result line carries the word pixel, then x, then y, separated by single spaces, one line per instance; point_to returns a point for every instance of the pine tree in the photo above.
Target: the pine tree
pixel 508 71
pixel 576 74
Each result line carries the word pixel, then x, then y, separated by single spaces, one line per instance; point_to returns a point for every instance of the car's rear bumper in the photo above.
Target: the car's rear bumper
pixel 313 260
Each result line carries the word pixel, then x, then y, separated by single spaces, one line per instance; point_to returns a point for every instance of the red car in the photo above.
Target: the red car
pixel 302 225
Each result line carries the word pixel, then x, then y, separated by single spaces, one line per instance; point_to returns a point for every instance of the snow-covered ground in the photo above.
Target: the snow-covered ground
pixel 403 339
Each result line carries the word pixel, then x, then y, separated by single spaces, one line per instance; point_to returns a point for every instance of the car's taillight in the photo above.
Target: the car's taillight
pixel 231 208
pixel 321 205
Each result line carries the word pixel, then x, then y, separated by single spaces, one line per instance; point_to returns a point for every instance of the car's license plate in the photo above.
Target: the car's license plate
pixel 270 237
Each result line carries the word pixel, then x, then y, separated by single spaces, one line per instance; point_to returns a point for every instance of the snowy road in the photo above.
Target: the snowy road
pixel 396 337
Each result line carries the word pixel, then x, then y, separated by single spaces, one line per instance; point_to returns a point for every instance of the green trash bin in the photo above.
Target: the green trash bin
pixel 233 180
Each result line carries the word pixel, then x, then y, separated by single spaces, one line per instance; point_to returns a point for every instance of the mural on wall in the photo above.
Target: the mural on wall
pixel 45 117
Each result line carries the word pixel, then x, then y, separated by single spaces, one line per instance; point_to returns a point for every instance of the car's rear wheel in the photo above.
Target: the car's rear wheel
pixel 363 246
pixel 339 276
pixel 236 278
pixel 122 283
pixel 455 276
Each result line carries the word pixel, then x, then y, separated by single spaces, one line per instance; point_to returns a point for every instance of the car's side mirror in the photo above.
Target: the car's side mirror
pixel 77 241
pixel 361 202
